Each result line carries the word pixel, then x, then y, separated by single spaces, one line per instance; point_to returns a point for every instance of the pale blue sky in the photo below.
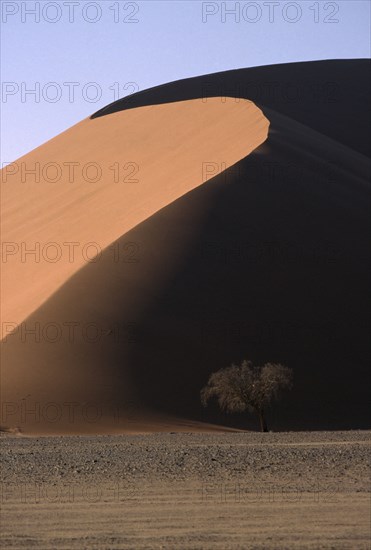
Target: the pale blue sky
pixel 146 43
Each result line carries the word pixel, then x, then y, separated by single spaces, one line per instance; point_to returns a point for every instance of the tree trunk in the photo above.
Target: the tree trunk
pixel 263 422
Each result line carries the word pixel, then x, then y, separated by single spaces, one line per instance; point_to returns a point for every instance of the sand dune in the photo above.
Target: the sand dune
pixel 267 260
pixel 142 160
pixel 110 174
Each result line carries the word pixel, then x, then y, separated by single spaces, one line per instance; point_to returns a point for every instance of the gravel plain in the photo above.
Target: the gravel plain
pixel 187 491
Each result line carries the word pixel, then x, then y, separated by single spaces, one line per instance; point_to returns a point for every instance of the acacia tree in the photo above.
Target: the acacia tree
pixel 244 387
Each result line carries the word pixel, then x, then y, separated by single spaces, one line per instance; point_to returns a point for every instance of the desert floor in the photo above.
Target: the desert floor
pixel 187 491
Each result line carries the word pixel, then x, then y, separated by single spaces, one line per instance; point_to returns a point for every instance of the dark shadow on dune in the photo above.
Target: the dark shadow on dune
pixel 278 272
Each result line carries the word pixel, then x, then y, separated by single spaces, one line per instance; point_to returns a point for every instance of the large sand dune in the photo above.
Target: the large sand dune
pixel 110 174
pixel 101 178
pixel 266 260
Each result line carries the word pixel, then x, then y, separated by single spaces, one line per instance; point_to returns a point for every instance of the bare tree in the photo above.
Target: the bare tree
pixel 245 387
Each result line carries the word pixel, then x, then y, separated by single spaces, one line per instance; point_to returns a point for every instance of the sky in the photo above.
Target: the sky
pixel 63 60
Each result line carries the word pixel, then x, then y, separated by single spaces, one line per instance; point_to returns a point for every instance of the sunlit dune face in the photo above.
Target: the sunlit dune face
pixel 66 201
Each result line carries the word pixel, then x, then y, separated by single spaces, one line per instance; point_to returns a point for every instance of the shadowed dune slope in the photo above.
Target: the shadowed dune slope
pixel 267 260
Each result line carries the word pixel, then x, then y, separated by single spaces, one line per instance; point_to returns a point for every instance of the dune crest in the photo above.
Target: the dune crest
pixel 68 200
